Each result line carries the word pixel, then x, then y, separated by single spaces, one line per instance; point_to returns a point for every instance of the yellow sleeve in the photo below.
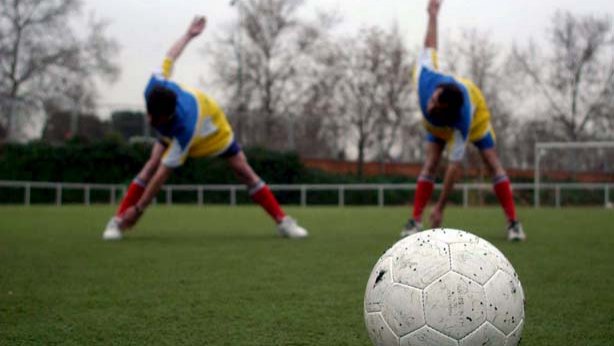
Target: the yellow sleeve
pixel 429 59
pixel 167 68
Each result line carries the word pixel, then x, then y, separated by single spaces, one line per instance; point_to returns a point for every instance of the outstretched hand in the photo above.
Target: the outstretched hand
pixel 197 26
pixel 436 217
pixel 434 6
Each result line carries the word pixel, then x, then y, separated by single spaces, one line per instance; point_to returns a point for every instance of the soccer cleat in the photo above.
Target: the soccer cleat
pixel 412 227
pixel 112 232
pixel 288 228
pixel 515 232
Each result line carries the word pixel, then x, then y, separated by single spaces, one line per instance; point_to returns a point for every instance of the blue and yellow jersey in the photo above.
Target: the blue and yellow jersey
pixel 199 127
pixel 474 121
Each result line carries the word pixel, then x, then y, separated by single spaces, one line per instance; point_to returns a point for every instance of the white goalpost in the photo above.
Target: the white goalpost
pixel 541 150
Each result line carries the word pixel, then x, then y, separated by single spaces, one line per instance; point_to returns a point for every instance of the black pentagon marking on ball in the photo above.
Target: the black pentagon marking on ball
pixel 379 278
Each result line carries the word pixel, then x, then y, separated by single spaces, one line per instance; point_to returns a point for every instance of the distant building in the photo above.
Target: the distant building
pixel 130 125
pixel 88 127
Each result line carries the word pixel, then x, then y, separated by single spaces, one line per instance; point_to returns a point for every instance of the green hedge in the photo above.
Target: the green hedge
pixel 112 161
pixel 104 162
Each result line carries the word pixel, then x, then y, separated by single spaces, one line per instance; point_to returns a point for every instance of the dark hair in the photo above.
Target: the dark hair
pixel 451 96
pixel 161 102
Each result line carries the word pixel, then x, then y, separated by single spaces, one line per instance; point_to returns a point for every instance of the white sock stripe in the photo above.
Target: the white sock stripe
pixel 256 188
pixel 500 179
pixel 426 178
pixel 140 182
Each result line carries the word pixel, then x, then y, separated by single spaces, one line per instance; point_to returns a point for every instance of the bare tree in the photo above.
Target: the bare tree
pixel 264 68
pixel 575 79
pixel 398 105
pixel 323 107
pixel 376 93
pixel 475 56
pixel 44 60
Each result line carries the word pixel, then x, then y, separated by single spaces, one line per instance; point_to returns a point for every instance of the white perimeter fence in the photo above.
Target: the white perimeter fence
pixel 115 192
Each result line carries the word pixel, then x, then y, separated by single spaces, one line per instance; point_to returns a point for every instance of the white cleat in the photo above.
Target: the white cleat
pixel 515 232
pixel 412 227
pixel 113 232
pixel 288 228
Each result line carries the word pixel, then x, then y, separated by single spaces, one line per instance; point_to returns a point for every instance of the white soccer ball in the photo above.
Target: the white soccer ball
pixel 444 287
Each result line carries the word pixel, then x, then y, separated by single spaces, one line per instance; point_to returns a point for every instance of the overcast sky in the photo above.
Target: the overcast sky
pixel 146 28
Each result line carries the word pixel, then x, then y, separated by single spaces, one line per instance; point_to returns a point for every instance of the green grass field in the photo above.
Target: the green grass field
pixel 219 276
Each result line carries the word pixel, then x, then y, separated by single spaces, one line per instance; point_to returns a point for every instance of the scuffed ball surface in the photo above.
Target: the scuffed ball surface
pixel 444 287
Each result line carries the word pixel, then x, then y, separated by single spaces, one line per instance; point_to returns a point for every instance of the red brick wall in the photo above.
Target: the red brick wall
pixel 413 170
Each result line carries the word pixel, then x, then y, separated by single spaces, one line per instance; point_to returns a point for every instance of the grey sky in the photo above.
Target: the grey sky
pixel 146 28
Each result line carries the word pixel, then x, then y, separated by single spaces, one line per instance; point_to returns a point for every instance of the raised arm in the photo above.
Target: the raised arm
pixel 196 28
pixel 431 32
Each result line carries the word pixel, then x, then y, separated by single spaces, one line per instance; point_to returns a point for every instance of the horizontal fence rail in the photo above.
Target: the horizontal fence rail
pixel 114 192
pixel 540 149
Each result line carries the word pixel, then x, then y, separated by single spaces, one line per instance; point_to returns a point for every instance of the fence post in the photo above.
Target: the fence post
pixel 557 196
pixel 200 195
pixel 86 195
pixel 341 196
pixel 233 196
pixel 607 196
pixel 169 196
pixel 537 178
pixel 112 199
pixel 465 196
pixel 303 196
pixel 380 196
pixel 58 195
pixel 27 193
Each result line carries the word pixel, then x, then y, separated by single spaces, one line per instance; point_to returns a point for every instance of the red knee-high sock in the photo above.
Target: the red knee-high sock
pixel 503 189
pixel 424 190
pixel 134 193
pixel 262 195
